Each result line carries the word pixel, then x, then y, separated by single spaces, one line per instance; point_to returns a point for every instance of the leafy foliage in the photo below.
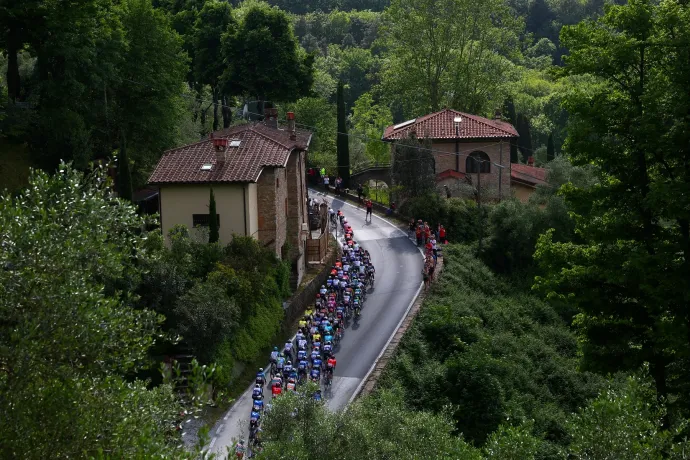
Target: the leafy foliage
pixel 493 353
pixel 263 57
pixel 628 274
pixel 413 167
pixel 67 339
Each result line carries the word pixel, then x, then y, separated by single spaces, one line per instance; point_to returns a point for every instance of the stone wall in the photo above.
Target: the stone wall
pixel 305 296
pixel 498 152
pixel 296 212
pixel 272 203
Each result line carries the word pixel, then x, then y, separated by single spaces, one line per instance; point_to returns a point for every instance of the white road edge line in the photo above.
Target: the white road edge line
pixel 385 347
pixel 359 387
pixel 395 331
pixel 220 428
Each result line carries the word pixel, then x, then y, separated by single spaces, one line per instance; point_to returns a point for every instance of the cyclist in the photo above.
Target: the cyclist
pixel 331 213
pixel 276 390
pixel 291 386
pixel 315 375
pixel 261 377
pixel 254 419
pixel 280 362
pixel 257 392
pixel 327 348
pixel 302 343
pixel 302 354
pixel 258 405
pixel 315 353
pixel 287 369
pixel 317 363
pixel 302 368
pixel 323 290
pixel 287 349
pixel 330 364
pixel 274 359
pixel 240 449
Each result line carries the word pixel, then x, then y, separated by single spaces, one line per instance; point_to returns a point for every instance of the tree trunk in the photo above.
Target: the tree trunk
pixel 216 122
pixel 13 81
pixel 226 112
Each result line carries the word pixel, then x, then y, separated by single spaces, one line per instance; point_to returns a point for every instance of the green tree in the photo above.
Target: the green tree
pixel 124 176
pixel 147 86
pixel 379 427
pixel 550 150
pixel 628 274
pixel 214 19
pixel 524 142
pixel 213 219
pixel 343 144
pixel 413 167
pixel 447 52
pixel 370 119
pixel 263 59
pixel 207 316
pixel 509 107
pixel 68 337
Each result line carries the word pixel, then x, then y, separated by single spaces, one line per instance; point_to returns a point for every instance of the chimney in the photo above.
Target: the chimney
pixel 530 161
pixel 271 117
pixel 291 125
pixel 220 144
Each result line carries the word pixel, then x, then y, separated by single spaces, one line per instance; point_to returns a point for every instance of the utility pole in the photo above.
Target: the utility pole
pixel 500 171
pixel 479 201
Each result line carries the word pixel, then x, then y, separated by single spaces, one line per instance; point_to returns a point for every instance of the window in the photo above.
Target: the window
pixel 478 162
pixel 202 220
pixel 277 182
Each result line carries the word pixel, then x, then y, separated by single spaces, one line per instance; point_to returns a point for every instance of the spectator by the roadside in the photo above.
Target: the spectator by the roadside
pixel 360 192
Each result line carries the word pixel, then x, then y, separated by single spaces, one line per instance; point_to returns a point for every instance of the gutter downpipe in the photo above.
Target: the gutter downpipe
pixel 244 203
pixel 457 147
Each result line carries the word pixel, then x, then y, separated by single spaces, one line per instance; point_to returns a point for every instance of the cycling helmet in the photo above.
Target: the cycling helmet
pixel 318 296
pixel 289 362
pixel 261 369
pixel 257 386
pixel 275 348
pixel 282 355
pixel 344 221
pixel 329 343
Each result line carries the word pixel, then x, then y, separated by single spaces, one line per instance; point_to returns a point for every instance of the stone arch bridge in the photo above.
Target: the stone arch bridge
pixel 381 173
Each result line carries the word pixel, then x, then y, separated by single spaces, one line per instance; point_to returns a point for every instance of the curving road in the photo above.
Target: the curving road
pixel 398 265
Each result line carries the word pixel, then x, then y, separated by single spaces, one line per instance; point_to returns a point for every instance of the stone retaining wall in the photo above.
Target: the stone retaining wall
pixel 306 293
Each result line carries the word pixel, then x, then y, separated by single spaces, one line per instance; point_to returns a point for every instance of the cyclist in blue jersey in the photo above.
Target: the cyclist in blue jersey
pixel 257 392
pixel 261 377
pixel 315 375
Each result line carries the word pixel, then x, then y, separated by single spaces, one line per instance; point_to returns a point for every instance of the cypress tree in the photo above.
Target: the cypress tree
pixel 525 140
pixel 550 151
pixel 213 235
pixel 342 144
pixel 509 110
pixel 124 175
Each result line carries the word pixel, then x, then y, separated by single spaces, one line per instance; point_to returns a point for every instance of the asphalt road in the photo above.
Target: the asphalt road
pixel 398 265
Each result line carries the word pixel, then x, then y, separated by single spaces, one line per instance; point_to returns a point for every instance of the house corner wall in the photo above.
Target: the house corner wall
pixel 272 209
pixel 297 211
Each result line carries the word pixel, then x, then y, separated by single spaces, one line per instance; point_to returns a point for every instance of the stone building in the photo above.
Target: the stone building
pixel 467 149
pixel 257 172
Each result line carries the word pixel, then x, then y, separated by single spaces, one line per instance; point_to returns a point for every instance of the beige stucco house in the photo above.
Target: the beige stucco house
pixel 257 172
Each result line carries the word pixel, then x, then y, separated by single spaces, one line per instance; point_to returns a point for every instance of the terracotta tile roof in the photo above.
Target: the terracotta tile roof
pixel 260 146
pixel 530 175
pixel 450 173
pixel 441 125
